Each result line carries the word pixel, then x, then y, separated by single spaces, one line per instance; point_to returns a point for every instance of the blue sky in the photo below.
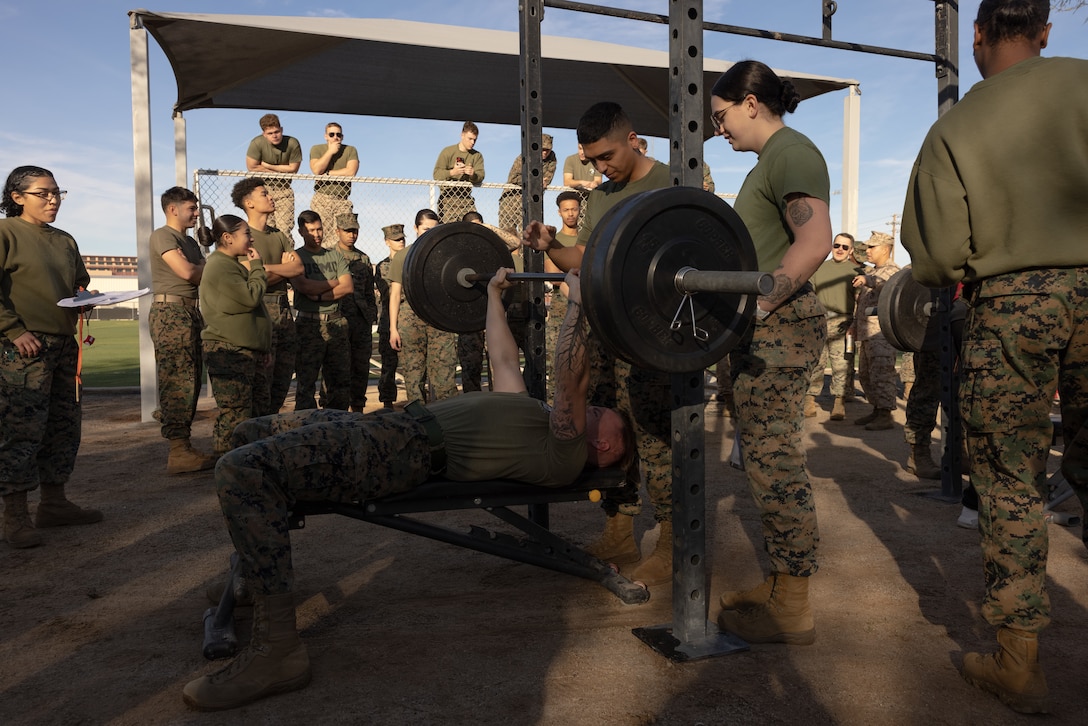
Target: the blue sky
pixel 67 102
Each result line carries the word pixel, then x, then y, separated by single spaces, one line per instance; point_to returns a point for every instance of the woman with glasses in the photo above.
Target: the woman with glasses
pixel 784 204
pixel 40 413
pixel 237 331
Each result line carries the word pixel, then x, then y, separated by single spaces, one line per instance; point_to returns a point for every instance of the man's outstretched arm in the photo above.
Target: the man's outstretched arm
pixel 568 419
pixel 501 347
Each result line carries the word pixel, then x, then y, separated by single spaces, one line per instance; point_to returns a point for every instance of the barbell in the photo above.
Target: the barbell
pixel 908 314
pixel 669 278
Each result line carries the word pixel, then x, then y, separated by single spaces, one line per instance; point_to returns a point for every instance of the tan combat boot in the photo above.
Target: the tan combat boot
pixel 1013 673
pixel 867 418
pixel 810 406
pixel 617 543
pixel 18 529
pixel 185 459
pixel 56 511
pixel 882 421
pixel 657 568
pixel 920 463
pixel 784 618
pixel 747 599
pixel 838 411
pixel 274 662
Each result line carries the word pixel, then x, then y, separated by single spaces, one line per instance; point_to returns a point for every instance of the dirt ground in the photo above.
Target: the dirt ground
pixel 102 624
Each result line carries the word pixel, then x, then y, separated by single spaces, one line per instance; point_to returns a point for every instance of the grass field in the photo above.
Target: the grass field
pixel 114 358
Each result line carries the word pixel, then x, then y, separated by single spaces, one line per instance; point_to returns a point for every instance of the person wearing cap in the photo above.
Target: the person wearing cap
pixel 510 200
pixel 331 159
pixel 876 367
pixel 360 308
pixel 387 379
pixel 320 326
pixel 460 162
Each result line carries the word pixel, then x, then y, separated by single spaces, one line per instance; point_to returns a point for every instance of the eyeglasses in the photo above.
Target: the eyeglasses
pixel 60 194
pixel 840 247
pixel 719 117
pixel 336 134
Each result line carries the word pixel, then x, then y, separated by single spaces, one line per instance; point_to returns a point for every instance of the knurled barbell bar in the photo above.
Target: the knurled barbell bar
pixel 669 278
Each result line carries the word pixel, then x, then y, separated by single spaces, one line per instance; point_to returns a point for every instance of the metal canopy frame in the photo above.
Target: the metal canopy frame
pixel 690 635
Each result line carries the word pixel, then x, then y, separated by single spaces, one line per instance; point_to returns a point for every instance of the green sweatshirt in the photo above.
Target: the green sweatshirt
pixel 1001 182
pixel 39 266
pixel 230 301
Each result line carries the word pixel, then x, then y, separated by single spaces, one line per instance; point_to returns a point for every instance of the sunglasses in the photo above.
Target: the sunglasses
pixel 837 246
pixel 336 134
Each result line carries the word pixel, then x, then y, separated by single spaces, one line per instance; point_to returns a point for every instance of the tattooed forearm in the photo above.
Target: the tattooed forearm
pixel 572 375
pixel 570 351
pixel 784 286
pixel 799 211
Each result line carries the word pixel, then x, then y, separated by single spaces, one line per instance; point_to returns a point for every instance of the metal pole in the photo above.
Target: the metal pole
pixel 851 159
pixel 181 169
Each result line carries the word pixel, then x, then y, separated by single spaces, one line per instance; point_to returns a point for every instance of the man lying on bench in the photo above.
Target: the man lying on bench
pixel 347 457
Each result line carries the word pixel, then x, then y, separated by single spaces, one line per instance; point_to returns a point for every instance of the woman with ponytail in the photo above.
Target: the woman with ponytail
pixel 238 333
pixel 784 204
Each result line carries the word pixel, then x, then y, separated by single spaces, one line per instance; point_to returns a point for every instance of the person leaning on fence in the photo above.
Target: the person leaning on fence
pixel 40 411
pixel 175 324
pixel 347 457
pixel 425 353
pixel 460 163
pixel 608 142
pixel 280 264
pixel 387 379
pixel 331 159
pixel 360 308
pixel 784 204
pixel 320 326
pixel 273 151
pixel 510 212
pixel 996 200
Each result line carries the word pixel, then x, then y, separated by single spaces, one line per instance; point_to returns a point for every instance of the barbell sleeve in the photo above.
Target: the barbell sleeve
pixel 688 279
pixel 466 276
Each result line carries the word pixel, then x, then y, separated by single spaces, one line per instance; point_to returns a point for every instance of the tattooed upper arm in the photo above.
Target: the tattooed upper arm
pixel 798 209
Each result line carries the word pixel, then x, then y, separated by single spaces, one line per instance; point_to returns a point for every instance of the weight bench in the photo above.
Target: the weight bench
pixel 540 546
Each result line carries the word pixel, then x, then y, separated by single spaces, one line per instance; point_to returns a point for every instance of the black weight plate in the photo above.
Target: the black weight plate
pixel 629 269
pixel 431 266
pixel 904 311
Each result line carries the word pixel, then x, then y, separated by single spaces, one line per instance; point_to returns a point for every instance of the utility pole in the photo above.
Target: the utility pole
pixel 894 224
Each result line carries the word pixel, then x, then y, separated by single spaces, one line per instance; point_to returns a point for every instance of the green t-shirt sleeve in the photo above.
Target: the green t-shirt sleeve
pixel 800 171
pixel 294 151
pixel 254 150
pixel 396 267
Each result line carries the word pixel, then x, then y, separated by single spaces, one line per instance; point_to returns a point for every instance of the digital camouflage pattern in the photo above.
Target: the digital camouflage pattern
pixel 771 369
pixel 876 372
pixel 387 379
pixel 40 414
pixel 925 397
pixel 322 348
pixel 179 363
pixel 833 354
pixel 557 310
pixel 233 372
pixel 313 455
pixel 361 310
pixel 455 202
pixel 1025 337
pixel 274 382
pixel 426 354
pixel 329 203
pixel 283 218
pixel 470 354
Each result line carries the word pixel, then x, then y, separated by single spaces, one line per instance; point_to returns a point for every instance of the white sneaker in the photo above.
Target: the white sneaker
pixel 968 519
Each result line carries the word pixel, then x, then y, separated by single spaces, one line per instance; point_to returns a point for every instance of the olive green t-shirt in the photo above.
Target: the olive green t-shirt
pixel 39 266
pixel 788 164
pixel 396 265
pixel 506 436
pixel 339 161
pixel 833 281
pixel 326 264
pixel 610 193
pixel 447 158
pixel 288 151
pixel 271 244
pixel 164 281
pixel 579 170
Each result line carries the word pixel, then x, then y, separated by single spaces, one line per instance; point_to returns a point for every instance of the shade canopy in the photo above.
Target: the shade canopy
pixel 406 69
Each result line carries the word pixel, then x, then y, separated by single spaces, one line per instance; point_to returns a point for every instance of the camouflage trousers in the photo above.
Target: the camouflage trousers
pixel 322 348
pixel 906 368
pixel 274 381
pixel 470 354
pixel 833 354
pixel 925 398
pixel 510 211
pixel 1026 335
pixel 771 369
pixel 233 373
pixel 179 362
pixel 284 217
pixel 387 380
pixel 454 203
pixel 360 348
pixel 328 206
pixel 40 414
pixel 876 371
pixel 328 456
pixel 426 351
pixel 557 310
pixel 646 397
